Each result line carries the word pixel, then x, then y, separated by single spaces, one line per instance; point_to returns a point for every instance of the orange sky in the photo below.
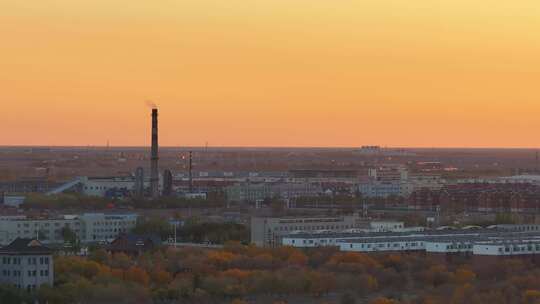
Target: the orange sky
pixel 271 72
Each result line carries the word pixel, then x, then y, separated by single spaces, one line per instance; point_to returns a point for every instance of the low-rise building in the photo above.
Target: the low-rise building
pixel 98 227
pixel 268 231
pixel 253 192
pixel 386 226
pixel 407 239
pixel 88 227
pixel 134 244
pixel 26 264
pixel 380 189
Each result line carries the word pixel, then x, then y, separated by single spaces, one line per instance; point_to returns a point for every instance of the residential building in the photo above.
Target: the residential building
pixel 386 226
pixel 26 264
pixel 379 189
pixel 268 231
pixel 250 192
pixel 89 227
pixel 98 227
pixel 411 239
pixel 385 182
pixel 134 244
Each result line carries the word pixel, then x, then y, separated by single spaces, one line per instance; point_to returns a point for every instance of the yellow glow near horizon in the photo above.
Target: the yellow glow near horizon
pixel 271 72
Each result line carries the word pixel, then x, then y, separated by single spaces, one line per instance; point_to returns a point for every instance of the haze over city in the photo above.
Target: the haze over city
pixel 269 152
pixel 447 73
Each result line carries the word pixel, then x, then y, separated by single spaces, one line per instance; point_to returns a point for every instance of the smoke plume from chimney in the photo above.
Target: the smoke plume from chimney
pixel 151 104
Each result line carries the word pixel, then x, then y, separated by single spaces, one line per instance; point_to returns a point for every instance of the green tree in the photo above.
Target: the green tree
pixel 154 225
pixel 71 241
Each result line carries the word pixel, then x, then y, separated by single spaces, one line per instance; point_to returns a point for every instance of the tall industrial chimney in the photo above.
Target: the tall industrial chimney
pixel 154 171
pixel 190 171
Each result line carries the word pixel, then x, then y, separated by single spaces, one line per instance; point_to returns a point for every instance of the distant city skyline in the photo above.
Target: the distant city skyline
pixel 448 73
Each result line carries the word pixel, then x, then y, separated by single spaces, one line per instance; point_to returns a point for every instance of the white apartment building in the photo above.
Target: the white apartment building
pixel 386 226
pixel 373 188
pixel 89 227
pixel 507 248
pixel 26 264
pixel 268 231
pixel 386 182
pixel 491 241
pixel 250 192
pixel 47 230
pixel 105 227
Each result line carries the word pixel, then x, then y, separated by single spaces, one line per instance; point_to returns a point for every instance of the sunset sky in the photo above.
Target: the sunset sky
pixel 419 73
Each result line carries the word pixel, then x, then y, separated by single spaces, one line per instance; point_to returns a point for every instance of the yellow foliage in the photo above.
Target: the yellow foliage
pixel 220 257
pixel 137 275
pixel 353 258
pixel 464 276
pixel 161 277
pixel 531 296
pixel 298 258
pixel 237 273
pixel 383 301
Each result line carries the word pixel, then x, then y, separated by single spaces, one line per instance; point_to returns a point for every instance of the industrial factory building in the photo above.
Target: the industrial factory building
pixel 130 185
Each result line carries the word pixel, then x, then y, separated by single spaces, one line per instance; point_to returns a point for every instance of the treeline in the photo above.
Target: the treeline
pixel 214 199
pixel 65 201
pixel 246 274
pixel 215 233
pixel 74 201
pixel 194 231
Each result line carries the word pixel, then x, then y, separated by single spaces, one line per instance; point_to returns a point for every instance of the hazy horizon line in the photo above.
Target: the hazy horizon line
pixel 270 147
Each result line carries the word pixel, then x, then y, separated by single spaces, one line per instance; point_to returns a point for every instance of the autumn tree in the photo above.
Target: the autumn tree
pixel 383 300
pixel 137 275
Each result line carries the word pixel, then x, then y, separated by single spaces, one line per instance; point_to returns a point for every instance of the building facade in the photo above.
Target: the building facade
pixel 88 227
pixel 250 192
pixel 268 231
pixel 26 264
